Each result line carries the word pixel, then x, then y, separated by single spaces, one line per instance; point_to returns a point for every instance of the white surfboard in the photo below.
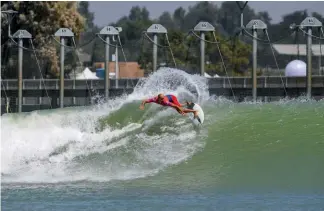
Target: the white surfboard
pixel 201 116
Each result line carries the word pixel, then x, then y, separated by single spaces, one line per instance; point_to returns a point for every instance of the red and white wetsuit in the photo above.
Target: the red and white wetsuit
pixel 168 100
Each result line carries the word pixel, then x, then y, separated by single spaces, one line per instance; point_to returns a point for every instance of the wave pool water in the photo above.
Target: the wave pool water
pixel 113 150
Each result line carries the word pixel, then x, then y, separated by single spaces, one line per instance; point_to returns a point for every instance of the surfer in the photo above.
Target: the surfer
pixel 171 101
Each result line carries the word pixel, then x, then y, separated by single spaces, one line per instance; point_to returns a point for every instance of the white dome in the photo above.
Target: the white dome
pixel 296 68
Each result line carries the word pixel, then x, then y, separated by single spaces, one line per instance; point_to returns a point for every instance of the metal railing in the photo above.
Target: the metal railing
pixel 221 82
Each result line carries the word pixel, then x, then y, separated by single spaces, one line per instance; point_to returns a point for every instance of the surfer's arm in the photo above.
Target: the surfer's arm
pixel 178 108
pixel 150 100
pixel 144 102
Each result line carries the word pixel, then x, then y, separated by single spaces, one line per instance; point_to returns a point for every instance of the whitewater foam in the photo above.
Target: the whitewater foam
pixel 66 145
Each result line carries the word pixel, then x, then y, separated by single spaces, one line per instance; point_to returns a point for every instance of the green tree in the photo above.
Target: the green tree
pixel 229 16
pixel 42 20
pixel 202 11
pixel 83 9
pixel 179 18
pixel 265 17
pixel 133 26
pixel 88 42
pixel 166 20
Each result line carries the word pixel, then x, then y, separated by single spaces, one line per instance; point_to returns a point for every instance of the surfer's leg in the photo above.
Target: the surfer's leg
pixel 175 101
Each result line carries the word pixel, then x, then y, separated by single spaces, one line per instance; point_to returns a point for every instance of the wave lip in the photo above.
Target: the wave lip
pixel 110 141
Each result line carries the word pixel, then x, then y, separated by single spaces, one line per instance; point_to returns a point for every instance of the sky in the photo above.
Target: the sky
pixel 110 11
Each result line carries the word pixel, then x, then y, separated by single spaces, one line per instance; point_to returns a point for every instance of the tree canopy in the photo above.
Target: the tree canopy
pixel 43 19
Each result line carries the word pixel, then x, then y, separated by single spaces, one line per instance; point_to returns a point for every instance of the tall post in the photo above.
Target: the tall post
pixel 107 84
pixel 298 50
pixel 20 35
pixel 320 59
pixel 116 66
pixel 155 29
pixel 309 23
pixel 203 27
pixel 10 14
pixel 107 31
pixel 202 53
pixel 320 63
pixel 242 26
pixel 119 29
pixel 62 33
pixel 155 39
pixel 255 25
pixel 309 63
pixel 320 55
pixel 254 69
pixel 242 16
pixel 62 73
pixel 20 65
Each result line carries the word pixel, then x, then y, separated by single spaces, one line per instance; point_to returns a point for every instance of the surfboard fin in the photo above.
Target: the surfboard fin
pixel 198 119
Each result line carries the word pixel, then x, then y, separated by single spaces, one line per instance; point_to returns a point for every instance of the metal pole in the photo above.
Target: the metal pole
pixel 117 66
pixel 319 65
pixel 9 30
pixel 309 63
pixel 62 33
pixel 241 9
pixel 107 69
pixel 242 26
pixel 62 74
pixel 202 53
pixel 74 99
pixel 320 59
pixel 155 29
pixel 155 52
pixel 40 88
pixel 10 14
pixel 20 65
pixel 203 27
pixel 254 79
pixel 242 19
pixel 7 104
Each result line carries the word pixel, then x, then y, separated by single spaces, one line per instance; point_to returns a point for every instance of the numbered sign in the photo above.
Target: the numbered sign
pixel 64 32
pixel 256 24
pixel 157 29
pixel 22 34
pixel 204 26
pixel 311 22
pixel 109 30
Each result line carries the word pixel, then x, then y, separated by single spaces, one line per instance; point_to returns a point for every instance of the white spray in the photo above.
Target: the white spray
pixel 65 145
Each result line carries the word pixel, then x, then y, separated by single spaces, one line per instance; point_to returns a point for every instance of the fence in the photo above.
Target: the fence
pixel 44 94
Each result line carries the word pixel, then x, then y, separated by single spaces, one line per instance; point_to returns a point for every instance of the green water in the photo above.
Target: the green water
pixel 273 145
pixel 250 157
pixel 246 156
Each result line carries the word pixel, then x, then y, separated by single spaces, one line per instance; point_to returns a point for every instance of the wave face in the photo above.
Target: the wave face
pixel 110 141
pixel 241 145
pixel 251 146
